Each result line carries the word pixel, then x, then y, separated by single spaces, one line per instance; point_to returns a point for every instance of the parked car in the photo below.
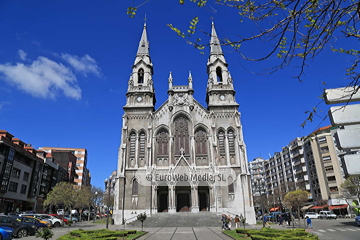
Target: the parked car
pixel 29 220
pixel 55 221
pixel 6 233
pixel 47 222
pixel 327 215
pixel 357 219
pixel 312 215
pixel 20 229
pixel 60 217
pixel 73 218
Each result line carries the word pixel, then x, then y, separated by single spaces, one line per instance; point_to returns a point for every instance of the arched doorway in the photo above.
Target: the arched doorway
pixel 162 197
pixel 204 196
pixel 183 197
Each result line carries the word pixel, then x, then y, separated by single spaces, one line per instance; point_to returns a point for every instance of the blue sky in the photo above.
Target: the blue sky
pixel 64 68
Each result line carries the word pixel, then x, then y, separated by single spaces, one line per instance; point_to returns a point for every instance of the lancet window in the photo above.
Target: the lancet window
pixel 181 135
pixel 200 142
pixel 162 139
pixel 141 76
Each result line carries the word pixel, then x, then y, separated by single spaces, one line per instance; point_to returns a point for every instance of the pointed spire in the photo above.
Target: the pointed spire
pixel 144 43
pixel 190 80
pixel 170 80
pixel 215 47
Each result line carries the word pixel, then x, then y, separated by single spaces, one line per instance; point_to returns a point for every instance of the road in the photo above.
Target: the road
pixel 339 229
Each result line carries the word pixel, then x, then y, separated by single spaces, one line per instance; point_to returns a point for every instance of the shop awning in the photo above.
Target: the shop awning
pixel 274 209
pixel 306 207
pixel 332 207
pixel 319 207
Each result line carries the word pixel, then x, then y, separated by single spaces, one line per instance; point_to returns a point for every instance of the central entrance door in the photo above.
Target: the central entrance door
pixel 204 201
pixel 183 199
pixel 162 197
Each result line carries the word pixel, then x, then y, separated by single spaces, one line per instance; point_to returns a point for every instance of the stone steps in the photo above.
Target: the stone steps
pixel 180 219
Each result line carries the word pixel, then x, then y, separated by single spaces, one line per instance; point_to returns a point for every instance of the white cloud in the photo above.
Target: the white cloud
pixel 2 104
pixel 22 54
pixel 84 65
pixel 42 78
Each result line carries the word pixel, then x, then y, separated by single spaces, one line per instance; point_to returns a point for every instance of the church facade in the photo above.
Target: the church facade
pixel 182 156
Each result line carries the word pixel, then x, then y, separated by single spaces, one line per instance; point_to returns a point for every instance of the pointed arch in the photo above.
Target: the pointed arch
pixel 231 188
pixel 141 76
pixel 135 187
pixel 132 143
pixel 142 144
pixel 219 74
pixel 181 135
pixel 231 140
pixel 221 142
pixel 162 140
pixel 200 141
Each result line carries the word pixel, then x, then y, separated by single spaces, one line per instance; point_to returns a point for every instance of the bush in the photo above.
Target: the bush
pixel 103 234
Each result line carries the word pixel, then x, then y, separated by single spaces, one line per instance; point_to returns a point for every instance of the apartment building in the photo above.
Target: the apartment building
pixel 309 163
pixel 83 173
pixel 324 166
pixel 26 175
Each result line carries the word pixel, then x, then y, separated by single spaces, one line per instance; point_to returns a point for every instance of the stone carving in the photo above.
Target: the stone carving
pixel 181 99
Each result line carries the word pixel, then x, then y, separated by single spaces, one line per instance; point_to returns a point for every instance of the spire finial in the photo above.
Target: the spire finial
pixel 145 19
pixel 215 47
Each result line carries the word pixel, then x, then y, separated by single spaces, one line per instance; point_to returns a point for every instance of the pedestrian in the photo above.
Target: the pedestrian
pixel 289 218
pixel 265 219
pixel 237 221
pixel 280 220
pixel 223 221
pixel 229 220
pixel 308 221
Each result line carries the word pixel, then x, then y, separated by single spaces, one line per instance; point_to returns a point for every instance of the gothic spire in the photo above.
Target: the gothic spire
pixel 215 47
pixel 144 44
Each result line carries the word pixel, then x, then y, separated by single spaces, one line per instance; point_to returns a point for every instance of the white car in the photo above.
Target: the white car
pixel 327 215
pixel 311 215
pixel 56 222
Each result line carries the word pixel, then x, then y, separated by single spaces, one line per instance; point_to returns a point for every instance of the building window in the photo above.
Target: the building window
pixel 331 178
pixel 221 139
pixel 322 139
pixel 141 76
pixel 23 189
pixel 231 185
pixel 329 169
pixel 132 144
pixel 328 158
pixel 200 141
pixel 135 187
pixel 142 144
pixel 162 139
pixel 219 74
pixel 181 135
pixel 231 138
pixel 13 186
pixel 15 173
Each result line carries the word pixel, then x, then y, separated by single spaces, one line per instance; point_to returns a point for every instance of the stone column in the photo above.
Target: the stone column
pixel 211 199
pixel 171 158
pixel 154 198
pixel 192 150
pixel 194 199
pixel 227 154
pixel 171 205
pixel 137 152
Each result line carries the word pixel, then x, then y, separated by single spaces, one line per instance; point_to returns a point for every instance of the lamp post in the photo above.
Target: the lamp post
pixel 260 184
pixel 108 188
pixel 96 193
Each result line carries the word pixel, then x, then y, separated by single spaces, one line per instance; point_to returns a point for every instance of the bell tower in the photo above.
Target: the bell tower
pixel 220 89
pixel 141 93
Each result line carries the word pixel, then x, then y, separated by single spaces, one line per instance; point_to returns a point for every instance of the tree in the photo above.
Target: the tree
pixel 296 32
pixel 296 199
pixel 84 198
pixel 351 188
pixel 44 233
pixel 62 194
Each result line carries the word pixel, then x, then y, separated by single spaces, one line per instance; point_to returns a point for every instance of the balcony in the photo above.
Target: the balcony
pixel 299 161
pixel 307 186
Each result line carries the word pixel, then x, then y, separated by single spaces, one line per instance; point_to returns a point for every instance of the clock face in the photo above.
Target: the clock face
pixel 139 99
pixel 222 97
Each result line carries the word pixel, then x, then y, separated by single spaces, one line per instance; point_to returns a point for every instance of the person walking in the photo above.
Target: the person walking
pixel 229 220
pixel 281 220
pixel 223 220
pixel 308 223
pixel 237 221
pixel 289 218
pixel 265 219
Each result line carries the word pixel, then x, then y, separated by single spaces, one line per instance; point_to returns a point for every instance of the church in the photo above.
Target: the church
pixel 182 157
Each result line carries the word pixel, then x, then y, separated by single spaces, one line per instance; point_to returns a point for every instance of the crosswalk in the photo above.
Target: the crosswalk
pixel 321 231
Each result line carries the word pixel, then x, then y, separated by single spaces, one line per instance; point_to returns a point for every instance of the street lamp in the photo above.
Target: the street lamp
pixel 96 193
pixel 108 188
pixel 260 184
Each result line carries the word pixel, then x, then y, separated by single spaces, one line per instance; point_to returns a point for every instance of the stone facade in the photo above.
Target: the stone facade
pixel 182 156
